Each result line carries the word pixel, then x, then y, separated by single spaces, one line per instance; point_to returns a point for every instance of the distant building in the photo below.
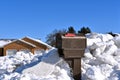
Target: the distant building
pixel 25 44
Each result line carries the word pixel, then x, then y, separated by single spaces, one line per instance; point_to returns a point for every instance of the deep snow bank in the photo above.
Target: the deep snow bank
pixel 26 66
pixel 101 60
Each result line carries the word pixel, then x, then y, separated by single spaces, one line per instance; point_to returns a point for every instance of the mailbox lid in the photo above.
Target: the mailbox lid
pixel 73 42
pixel 73 53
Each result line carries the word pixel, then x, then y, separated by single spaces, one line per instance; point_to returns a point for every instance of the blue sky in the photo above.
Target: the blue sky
pixel 37 18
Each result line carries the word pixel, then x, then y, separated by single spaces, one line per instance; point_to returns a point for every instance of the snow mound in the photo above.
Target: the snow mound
pixel 101 60
pixel 46 66
pixel 26 66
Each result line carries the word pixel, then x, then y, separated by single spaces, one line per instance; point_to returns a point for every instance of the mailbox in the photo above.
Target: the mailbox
pixel 72 49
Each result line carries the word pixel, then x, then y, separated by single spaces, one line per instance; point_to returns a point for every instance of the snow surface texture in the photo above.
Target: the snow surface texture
pixel 101 60
pixel 26 66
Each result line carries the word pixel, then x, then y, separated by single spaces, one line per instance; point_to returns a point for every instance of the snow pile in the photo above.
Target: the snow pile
pixel 101 60
pixel 26 66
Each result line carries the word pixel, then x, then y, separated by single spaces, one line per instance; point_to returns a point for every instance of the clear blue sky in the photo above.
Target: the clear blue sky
pixel 37 18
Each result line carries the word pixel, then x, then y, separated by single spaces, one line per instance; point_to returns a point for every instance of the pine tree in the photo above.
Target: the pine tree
pixel 71 30
pixel 84 30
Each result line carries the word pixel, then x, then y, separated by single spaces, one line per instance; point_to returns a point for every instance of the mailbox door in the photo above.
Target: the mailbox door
pixel 74 43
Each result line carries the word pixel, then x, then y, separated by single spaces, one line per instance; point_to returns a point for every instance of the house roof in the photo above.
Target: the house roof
pixel 2 44
pixel 32 45
pixel 27 42
pixel 39 41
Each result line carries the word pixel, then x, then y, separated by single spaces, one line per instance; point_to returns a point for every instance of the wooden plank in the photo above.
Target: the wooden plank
pixel 77 69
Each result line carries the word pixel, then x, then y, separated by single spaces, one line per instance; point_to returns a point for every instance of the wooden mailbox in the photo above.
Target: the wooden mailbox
pixel 72 49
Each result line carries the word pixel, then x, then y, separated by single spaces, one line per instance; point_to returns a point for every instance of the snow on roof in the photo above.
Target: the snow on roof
pixel 39 41
pixel 3 42
pixel 21 41
pixel 27 42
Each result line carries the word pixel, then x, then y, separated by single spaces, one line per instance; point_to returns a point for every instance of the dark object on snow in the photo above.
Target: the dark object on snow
pixel 113 34
pixel 72 49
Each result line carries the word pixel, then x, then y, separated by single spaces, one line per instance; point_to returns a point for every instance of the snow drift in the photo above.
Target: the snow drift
pixel 101 60
pixel 26 66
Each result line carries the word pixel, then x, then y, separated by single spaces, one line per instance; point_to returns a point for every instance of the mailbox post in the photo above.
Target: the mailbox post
pixel 72 49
